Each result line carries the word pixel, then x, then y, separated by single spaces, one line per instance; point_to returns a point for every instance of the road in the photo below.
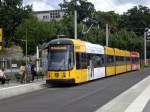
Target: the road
pixel 87 97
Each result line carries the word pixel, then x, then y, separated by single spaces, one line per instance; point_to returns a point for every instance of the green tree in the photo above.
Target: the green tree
pixel 85 9
pixel 136 19
pixel 127 40
pixel 37 33
pixel 110 18
pixel 12 12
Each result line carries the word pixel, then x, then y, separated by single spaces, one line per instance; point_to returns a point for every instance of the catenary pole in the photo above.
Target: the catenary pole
pixel 145 53
pixel 107 35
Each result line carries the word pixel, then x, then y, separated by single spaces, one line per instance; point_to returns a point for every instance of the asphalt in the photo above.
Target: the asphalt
pixel 87 97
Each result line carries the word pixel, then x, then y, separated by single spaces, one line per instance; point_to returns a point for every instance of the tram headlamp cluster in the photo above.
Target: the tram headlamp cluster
pixel 50 75
pixel 64 74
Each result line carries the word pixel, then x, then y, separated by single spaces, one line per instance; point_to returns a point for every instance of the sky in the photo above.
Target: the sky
pixel 119 6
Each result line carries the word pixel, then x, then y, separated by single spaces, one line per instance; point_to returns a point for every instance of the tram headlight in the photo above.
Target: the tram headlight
pixel 64 74
pixel 49 75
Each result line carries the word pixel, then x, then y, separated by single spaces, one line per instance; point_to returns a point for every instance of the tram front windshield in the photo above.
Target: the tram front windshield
pixel 60 57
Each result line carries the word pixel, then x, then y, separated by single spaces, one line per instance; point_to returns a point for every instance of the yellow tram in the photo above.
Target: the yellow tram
pixel 75 61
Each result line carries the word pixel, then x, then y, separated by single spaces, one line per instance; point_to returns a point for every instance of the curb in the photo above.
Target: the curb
pixel 21 89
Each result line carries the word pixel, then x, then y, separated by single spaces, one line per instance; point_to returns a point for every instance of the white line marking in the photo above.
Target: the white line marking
pixel 140 102
pixel 121 102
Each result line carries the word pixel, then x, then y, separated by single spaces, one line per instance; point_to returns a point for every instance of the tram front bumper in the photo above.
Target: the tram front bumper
pixel 60 81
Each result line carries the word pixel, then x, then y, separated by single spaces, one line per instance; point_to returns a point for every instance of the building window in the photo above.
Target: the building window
pixel 45 17
pixel 55 14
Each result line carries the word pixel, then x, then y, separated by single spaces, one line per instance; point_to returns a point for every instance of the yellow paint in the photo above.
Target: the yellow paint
pixel 79 46
pixel 128 54
pixel 81 76
pixel 128 67
pixel 110 71
pixel 139 66
pixel 119 52
pixel 58 75
pixel 120 69
pixel 109 51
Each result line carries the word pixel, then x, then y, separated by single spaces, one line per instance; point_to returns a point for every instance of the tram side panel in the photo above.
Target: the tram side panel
pixel 80 71
pixel 109 61
pixel 95 60
pixel 135 61
pixel 120 61
pixel 128 60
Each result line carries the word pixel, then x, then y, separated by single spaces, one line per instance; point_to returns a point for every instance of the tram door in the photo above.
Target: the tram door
pixel 90 70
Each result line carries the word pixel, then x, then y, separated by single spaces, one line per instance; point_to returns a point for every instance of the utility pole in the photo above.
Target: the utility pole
pixel 75 21
pixel 26 46
pixel 37 59
pixel 145 53
pixel 107 35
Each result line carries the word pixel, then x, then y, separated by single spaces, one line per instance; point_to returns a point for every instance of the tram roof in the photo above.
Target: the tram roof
pixel 64 41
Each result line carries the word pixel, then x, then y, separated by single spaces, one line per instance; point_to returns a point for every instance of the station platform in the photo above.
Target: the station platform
pixel 14 88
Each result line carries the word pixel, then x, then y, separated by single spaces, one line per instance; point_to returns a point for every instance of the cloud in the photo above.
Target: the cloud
pixel 39 5
pixel 124 8
pixel 118 6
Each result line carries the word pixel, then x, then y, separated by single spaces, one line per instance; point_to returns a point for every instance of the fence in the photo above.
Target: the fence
pixel 12 65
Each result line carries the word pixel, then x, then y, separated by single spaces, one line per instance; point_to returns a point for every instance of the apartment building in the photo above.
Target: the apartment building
pixel 49 15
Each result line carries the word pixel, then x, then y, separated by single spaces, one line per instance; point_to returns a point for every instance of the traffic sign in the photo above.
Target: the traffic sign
pixel 148 34
pixel 147 37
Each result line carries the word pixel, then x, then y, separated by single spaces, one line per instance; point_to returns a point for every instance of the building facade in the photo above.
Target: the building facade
pixel 49 15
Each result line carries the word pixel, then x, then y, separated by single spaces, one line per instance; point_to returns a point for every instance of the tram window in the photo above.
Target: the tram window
pixel 78 61
pixel 135 60
pixel 109 60
pixel 117 60
pixel 81 61
pixel 123 60
pixel 71 61
pixel 120 60
pixel 98 60
pixel 128 60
